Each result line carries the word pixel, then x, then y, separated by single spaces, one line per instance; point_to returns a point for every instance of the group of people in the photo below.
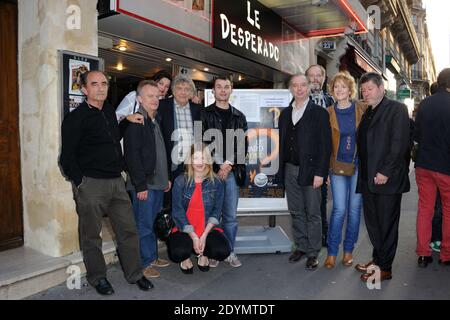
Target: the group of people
pixel 363 150
pixel 360 148
pixel 164 168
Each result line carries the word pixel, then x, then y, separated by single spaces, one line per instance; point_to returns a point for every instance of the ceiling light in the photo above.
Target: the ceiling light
pixel 240 78
pixel 194 70
pixel 205 69
pixel 119 66
pixel 168 59
pixel 123 47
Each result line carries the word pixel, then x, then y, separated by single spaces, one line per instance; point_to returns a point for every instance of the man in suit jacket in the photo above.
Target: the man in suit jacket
pixel 383 142
pixel 177 116
pixel 305 150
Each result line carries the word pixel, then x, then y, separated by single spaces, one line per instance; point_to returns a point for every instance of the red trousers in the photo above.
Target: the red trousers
pixel 428 182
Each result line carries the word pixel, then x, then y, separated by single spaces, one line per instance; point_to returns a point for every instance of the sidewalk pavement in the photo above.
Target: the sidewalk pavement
pixel 272 277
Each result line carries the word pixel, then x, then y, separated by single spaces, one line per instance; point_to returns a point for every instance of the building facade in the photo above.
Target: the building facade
pixel 396 45
pixel 423 73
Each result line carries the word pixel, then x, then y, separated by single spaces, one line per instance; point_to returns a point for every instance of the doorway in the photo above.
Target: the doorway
pixel 11 216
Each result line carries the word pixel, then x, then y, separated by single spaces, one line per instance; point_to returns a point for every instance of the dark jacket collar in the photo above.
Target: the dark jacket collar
pixel 234 112
pixel 88 106
pixel 142 111
pixel 379 110
pixel 308 108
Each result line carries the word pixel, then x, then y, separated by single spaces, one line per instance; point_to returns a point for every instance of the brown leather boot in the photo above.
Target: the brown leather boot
pixel 363 267
pixel 384 275
pixel 329 262
pixel 348 259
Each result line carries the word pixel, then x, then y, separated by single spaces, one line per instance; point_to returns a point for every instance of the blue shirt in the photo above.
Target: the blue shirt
pixel 347 128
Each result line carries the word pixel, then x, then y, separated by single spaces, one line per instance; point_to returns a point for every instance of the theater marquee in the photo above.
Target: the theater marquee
pixel 248 29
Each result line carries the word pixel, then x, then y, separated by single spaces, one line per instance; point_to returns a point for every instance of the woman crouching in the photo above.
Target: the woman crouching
pixel 197 198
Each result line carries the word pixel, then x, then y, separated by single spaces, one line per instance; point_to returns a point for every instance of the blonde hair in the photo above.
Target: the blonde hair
pixel 189 170
pixel 347 79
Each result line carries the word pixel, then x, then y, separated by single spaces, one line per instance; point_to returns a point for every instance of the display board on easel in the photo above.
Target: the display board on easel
pixel 262 108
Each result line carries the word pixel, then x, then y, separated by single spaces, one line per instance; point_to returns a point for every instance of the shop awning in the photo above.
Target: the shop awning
pixel 321 18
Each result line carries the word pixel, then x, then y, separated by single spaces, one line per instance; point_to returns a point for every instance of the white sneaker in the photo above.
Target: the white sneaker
pixel 233 260
pixel 213 263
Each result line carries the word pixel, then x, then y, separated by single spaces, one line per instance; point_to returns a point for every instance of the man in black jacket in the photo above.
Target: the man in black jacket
pixel 91 158
pixel 305 150
pixel 148 177
pixel 178 116
pixel 223 120
pixel 383 145
pixel 432 133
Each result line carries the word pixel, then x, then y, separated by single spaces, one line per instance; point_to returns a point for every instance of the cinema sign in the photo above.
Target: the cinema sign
pixel 248 29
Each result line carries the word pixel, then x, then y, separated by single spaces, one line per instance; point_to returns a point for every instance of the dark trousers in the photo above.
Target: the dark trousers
pixel 436 234
pixel 323 208
pixel 95 198
pixel 382 215
pixel 180 246
pixel 304 206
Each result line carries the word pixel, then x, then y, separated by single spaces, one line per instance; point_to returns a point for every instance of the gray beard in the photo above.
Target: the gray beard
pixel 316 88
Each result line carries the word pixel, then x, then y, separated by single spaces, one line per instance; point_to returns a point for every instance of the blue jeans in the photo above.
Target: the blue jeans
pixel 229 209
pixel 346 203
pixel 145 214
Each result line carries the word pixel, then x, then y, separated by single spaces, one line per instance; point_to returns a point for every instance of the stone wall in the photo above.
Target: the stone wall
pixel 50 221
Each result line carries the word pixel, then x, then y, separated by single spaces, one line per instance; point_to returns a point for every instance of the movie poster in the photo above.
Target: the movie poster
pixel 262 109
pixel 73 65
pixel 198 4
pixel 76 70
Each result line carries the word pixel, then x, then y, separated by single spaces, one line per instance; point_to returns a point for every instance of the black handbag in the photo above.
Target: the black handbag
pixel 163 224
pixel 240 174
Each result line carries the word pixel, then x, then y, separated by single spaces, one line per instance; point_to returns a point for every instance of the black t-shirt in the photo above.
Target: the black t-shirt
pixel 225 120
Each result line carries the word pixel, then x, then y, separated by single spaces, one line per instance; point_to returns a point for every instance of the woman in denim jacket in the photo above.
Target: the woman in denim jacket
pixel 197 198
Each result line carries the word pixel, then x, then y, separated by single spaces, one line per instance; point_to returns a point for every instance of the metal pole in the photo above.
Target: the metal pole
pixel 272 221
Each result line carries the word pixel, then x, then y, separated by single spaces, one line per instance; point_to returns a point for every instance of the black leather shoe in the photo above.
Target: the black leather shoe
pixel 204 268
pixel 296 256
pixel 188 270
pixel 104 287
pixel 312 263
pixel 423 261
pixel 144 284
pixel 445 263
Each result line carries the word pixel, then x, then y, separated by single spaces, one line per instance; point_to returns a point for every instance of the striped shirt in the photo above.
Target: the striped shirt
pixel 322 98
pixel 185 132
